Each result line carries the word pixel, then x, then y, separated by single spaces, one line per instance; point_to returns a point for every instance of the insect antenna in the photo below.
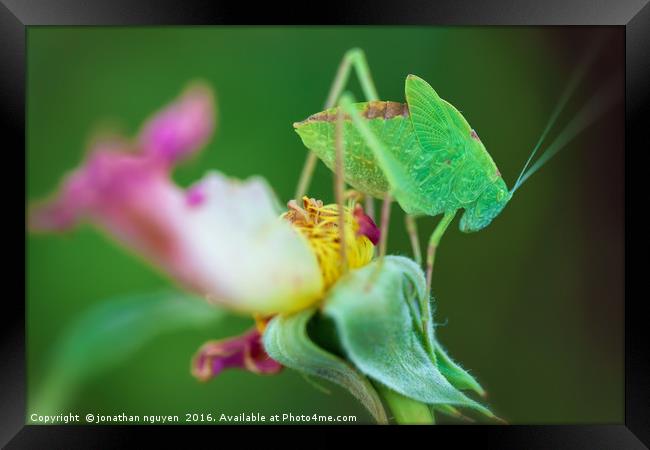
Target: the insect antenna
pixel 571 87
pixel 596 106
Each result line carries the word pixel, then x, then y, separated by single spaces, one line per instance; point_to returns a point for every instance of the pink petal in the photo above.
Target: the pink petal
pixel 182 127
pixel 123 193
pixel 243 352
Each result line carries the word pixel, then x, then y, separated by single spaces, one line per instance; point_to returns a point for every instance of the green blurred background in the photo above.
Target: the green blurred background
pixel 532 305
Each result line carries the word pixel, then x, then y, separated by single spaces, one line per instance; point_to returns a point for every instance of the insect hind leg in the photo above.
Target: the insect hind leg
pixel 355 59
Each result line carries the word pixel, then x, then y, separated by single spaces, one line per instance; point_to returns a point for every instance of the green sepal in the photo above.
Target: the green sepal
pixel 380 336
pixel 286 341
pixel 456 375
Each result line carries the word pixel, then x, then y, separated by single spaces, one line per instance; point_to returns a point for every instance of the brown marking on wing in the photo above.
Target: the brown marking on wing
pixel 397 109
pixel 385 110
pixel 374 110
pixel 322 116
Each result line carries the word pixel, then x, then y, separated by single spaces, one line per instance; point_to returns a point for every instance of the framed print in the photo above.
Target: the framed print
pixel 401 215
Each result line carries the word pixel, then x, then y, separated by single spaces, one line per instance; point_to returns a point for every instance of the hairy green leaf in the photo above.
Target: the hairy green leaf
pixel 454 373
pixel 286 341
pixel 376 328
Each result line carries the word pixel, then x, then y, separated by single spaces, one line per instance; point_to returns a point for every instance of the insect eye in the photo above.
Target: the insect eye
pixel 500 195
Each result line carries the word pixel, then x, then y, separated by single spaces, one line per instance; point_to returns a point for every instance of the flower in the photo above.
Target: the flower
pixel 220 238
pixel 224 239
pixel 317 224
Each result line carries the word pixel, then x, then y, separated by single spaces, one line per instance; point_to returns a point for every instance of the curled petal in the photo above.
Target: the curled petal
pixel 243 352
pixel 367 226
pixel 182 127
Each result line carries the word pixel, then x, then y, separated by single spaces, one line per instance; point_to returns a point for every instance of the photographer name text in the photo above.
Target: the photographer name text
pixel 187 418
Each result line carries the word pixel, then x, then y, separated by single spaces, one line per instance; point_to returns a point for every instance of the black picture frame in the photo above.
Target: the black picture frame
pixel 17 15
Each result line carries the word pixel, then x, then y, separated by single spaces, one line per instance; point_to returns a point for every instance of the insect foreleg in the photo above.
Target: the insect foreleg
pixel 353 58
pixel 369 206
pixel 385 220
pixel 305 175
pixel 412 230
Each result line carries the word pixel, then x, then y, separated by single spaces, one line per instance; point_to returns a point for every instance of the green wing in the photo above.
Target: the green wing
pixel 457 118
pixel 460 167
pixel 431 122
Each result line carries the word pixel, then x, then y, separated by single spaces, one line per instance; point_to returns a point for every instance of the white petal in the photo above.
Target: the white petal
pixel 247 257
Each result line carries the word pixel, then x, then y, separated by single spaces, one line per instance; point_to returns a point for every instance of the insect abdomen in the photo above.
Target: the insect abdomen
pixel 390 123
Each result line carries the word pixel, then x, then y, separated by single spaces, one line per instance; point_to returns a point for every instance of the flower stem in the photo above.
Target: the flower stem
pixel 406 411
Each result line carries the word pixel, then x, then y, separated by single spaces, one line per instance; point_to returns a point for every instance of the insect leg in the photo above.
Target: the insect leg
pixel 339 187
pixel 412 229
pixel 353 58
pixel 434 241
pixel 369 206
pixel 385 220
pixel 305 175
pixel 357 59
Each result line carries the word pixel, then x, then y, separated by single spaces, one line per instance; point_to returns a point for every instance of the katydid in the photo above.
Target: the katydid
pixel 423 153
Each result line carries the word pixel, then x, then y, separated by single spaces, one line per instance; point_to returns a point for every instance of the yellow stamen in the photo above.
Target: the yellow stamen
pixel 319 224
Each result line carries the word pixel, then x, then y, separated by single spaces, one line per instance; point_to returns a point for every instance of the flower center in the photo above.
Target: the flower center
pixel 319 224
